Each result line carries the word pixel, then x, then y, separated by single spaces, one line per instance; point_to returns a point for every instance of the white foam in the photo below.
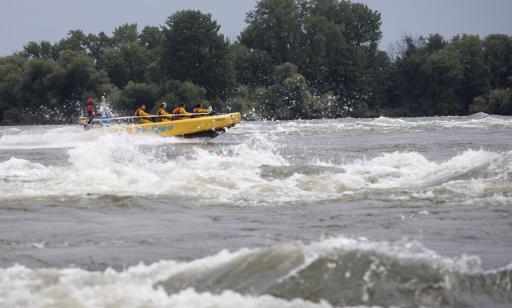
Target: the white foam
pixel 134 287
pixel 23 170
pixel 381 124
pixel 60 137
pixel 70 137
pixel 137 286
pixel 116 164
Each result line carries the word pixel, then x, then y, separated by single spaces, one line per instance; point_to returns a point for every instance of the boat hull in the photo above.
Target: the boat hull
pixel 188 127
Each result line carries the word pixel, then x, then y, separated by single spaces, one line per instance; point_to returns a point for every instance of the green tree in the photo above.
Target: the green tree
pixel 380 82
pixel 98 45
pixel 469 50
pixel 274 26
pixel 112 62
pixel 427 78
pixel 288 98
pixel 435 42
pixel 125 34
pixel 333 43
pixel 326 53
pixel 11 71
pixel 194 50
pixel 241 100
pixel 36 84
pixel 498 101
pixel 361 25
pixel 135 94
pixel 252 67
pixel 498 57
pixel 175 91
pixel 78 78
pixel 127 63
pixel 151 37
pixel 444 76
pixel 75 41
pixel 32 50
pixel 42 50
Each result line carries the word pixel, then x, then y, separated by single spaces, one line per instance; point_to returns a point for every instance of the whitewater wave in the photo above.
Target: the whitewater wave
pixel 63 137
pixel 40 137
pixel 252 173
pixel 378 125
pixel 336 271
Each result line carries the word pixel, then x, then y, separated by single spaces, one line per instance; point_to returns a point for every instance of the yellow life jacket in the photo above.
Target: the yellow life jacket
pixel 141 113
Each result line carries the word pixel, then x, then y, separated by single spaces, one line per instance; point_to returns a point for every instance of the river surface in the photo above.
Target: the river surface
pixel 330 213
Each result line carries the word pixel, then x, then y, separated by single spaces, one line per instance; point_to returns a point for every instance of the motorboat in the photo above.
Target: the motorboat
pixel 187 125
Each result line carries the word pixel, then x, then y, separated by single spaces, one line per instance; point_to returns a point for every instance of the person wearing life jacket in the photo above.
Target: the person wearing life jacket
pixel 91 112
pixel 180 109
pixel 162 112
pixel 199 109
pixel 141 113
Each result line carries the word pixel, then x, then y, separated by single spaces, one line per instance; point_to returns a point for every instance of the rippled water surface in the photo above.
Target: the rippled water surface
pixel 349 212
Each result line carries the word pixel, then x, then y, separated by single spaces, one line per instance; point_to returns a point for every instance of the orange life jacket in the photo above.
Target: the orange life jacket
pixel 141 113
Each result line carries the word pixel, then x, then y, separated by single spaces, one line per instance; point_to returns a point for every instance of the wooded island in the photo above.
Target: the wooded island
pixel 295 59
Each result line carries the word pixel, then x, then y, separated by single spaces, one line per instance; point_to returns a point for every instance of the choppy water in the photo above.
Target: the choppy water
pixel 403 212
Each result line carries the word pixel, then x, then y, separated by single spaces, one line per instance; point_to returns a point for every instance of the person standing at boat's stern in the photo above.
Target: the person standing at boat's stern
pixel 91 111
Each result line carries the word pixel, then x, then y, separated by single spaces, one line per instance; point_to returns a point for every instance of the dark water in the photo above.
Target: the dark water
pixel 403 212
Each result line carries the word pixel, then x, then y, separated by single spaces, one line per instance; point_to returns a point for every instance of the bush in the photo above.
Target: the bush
pixel 496 102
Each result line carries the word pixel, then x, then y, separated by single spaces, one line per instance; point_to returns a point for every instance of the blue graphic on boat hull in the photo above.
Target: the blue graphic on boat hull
pixel 154 129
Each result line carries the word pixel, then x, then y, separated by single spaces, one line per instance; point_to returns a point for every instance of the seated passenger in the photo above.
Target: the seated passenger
pixel 141 113
pixel 199 109
pixel 163 113
pixel 180 110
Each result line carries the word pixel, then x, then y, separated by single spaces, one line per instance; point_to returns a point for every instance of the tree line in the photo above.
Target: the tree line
pixel 295 59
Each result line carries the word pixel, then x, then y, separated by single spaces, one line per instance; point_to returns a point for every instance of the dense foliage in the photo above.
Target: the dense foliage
pixel 295 59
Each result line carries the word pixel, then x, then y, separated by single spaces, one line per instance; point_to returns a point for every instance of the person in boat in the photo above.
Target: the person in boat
pixel 202 111
pixel 91 111
pixel 180 109
pixel 199 109
pixel 162 112
pixel 105 112
pixel 140 112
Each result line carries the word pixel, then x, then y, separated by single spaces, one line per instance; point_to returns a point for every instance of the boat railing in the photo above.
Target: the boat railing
pixel 102 120
pixel 133 119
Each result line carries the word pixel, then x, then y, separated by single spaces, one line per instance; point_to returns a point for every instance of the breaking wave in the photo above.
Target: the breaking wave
pixel 333 272
pixel 253 172
pixel 252 175
pixel 382 124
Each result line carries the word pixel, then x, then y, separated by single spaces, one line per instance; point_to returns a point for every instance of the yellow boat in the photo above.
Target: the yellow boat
pixel 191 125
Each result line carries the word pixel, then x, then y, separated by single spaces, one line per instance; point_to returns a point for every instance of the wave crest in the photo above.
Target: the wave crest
pixel 253 173
pixel 337 271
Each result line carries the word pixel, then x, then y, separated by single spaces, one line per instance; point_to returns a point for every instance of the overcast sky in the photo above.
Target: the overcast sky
pixel 22 21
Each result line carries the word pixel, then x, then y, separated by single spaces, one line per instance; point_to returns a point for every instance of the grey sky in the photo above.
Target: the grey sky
pixel 22 21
